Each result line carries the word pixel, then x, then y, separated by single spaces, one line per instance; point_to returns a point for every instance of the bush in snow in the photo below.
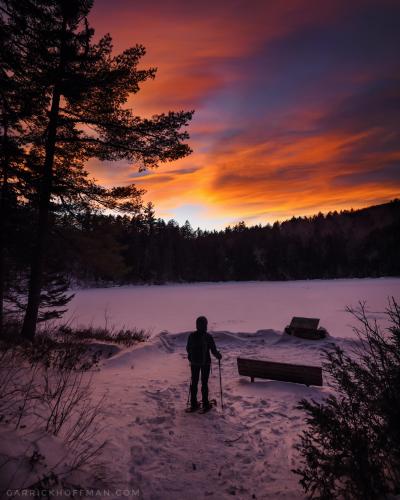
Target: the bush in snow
pixel 123 336
pixel 48 416
pixel 351 448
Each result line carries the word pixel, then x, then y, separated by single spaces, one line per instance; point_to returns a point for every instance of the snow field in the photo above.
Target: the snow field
pixel 246 450
pixel 235 306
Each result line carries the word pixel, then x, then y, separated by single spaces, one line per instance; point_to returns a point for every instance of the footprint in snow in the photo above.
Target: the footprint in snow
pixel 234 398
pixel 156 420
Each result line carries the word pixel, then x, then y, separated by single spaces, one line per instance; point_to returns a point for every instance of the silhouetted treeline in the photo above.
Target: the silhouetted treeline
pixel 145 249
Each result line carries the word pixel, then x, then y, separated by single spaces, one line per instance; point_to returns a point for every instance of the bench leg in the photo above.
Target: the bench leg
pixel 252 379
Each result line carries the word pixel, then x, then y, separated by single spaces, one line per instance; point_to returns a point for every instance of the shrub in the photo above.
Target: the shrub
pixel 126 337
pixel 351 447
pixel 45 390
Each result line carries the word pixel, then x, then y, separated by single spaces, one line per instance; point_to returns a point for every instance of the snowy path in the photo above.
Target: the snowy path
pixel 245 451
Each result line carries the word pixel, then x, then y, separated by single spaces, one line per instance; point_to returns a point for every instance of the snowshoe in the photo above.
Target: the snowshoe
pixel 192 409
pixel 207 408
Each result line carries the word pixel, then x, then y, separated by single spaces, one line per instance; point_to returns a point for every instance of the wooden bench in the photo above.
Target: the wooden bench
pixel 306 328
pixel 286 372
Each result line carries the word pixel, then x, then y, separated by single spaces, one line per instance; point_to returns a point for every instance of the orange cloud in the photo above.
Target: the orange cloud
pixel 294 112
pixel 271 180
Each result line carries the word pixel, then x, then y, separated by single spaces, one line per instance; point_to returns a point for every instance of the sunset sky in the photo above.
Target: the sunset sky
pixel 297 104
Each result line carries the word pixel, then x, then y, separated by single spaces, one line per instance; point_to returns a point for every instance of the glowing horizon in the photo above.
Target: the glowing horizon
pixel 296 105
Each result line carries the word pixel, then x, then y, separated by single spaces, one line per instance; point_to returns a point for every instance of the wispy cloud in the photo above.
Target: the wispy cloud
pixel 297 104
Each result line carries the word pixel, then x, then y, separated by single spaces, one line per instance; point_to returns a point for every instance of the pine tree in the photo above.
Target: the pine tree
pixel 149 217
pixel 17 104
pixel 84 89
pixel 351 448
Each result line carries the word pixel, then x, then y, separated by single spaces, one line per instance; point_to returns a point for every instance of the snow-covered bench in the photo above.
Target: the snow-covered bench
pixel 286 372
pixel 306 328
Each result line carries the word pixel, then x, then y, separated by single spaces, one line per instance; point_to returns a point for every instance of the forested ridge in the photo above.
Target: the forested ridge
pixel 97 248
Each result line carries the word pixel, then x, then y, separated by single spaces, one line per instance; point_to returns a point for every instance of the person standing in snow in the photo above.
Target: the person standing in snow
pixel 198 347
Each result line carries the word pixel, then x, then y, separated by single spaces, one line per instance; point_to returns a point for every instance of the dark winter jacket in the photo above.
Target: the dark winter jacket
pixel 198 347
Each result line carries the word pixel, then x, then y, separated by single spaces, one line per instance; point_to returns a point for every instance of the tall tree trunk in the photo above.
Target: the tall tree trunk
pixel 38 254
pixel 39 249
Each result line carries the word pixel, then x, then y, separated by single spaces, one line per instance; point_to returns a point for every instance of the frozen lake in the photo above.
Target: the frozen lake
pixel 232 306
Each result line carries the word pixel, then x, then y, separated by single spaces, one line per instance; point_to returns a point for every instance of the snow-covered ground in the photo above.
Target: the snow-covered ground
pixel 244 307
pixel 245 450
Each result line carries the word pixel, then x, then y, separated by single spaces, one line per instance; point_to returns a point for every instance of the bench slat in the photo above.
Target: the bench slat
pixel 286 372
pixel 306 323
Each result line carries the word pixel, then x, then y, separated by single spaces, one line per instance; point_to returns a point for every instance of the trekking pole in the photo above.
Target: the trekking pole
pixel 190 386
pixel 190 390
pixel 220 383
